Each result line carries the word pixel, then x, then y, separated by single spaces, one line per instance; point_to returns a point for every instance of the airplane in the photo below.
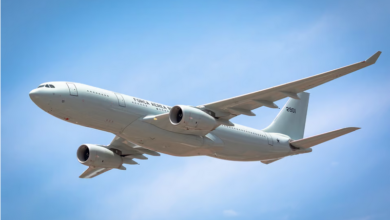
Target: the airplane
pixel 143 127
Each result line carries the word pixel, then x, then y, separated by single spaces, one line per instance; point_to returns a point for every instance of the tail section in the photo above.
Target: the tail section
pixel 291 119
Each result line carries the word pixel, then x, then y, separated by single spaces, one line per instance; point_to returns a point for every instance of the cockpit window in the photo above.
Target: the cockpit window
pixel 41 86
pixel 47 86
pixel 51 86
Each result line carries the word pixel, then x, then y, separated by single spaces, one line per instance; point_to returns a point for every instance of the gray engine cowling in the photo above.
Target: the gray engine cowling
pixel 190 118
pixel 97 156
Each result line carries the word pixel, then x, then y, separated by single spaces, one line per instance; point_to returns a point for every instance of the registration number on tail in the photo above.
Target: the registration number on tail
pixel 292 110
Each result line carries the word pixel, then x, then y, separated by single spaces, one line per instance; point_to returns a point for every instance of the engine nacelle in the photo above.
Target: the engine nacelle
pixel 93 155
pixel 190 118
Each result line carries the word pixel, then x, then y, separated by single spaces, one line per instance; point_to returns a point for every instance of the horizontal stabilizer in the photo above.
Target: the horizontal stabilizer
pixel 318 139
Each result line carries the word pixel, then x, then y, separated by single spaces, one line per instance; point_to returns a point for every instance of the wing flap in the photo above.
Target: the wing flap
pixel 318 139
pixel 270 161
pixel 91 172
pixel 127 148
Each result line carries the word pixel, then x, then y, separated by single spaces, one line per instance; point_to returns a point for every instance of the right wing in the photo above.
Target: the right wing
pixel 127 150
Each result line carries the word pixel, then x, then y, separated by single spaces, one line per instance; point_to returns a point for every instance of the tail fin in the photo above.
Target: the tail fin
pixel 291 119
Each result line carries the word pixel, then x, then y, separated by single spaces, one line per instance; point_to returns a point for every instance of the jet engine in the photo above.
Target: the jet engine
pixel 97 156
pixel 190 118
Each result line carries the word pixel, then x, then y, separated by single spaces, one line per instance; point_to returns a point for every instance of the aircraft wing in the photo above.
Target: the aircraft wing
pixel 127 150
pixel 244 104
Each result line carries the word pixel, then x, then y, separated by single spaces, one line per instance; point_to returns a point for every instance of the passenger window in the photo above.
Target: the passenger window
pixel 47 86
pixel 51 86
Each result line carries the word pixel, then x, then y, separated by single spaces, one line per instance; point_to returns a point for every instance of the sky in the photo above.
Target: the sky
pixel 192 53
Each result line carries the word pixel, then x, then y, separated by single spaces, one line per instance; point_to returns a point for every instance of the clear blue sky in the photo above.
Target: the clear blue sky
pixel 196 52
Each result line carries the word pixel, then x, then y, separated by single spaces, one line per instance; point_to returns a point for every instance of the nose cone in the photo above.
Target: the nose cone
pixel 40 96
pixel 35 95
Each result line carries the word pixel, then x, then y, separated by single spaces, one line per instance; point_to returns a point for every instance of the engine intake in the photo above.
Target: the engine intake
pixel 83 153
pixel 176 115
pixel 94 155
pixel 190 118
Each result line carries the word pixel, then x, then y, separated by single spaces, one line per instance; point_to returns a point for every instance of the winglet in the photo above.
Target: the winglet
pixel 373 58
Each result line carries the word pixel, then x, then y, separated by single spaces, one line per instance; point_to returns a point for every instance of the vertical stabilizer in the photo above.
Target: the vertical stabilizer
pixel 291 119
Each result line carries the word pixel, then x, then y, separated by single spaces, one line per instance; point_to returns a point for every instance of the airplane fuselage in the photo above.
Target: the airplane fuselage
pixel 123 116
pixel 144 127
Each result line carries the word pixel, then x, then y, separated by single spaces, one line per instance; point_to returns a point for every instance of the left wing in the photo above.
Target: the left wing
pixel 244 104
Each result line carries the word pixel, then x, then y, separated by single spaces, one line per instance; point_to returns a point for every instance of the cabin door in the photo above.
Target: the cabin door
pixel 121 100
pixel 72 89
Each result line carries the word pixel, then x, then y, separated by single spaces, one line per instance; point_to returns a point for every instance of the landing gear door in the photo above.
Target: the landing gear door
pixel 121 100
pixel 270 139
pixel 72 89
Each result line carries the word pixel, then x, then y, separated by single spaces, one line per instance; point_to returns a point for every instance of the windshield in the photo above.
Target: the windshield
pixel 47 86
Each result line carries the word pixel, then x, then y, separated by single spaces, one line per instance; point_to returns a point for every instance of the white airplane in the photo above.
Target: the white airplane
pixel 145 127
